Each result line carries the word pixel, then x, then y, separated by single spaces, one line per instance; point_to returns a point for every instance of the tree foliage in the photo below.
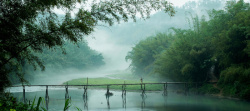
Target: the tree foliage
pixel 28 26
pixel 232 50
pixel 214 48
pixel 80 57
pixel 188 58
pixel 144 53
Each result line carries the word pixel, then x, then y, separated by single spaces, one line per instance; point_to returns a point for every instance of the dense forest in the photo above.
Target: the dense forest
pixel 216 48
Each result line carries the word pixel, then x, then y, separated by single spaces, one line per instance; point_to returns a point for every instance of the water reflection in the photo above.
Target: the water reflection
pixel 47 98
pixel 67 93
pixel 165 100
pixel 85 101
pixel 85 98
pixel 143 97
pixel 124 101
pixel 165 87
pixel 132 101
pixel 124 96
pixel 108 95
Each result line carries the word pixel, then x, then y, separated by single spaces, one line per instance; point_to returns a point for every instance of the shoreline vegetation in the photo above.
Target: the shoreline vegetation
pixel 117 79
pixel 129 78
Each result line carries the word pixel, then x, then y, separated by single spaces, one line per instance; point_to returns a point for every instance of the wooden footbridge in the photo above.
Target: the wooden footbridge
pixel 108 93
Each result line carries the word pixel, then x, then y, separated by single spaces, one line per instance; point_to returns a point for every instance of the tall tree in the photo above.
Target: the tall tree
pixel 30 25
pixel 232 48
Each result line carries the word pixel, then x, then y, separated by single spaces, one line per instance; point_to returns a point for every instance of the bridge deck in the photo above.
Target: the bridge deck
pixel 119 84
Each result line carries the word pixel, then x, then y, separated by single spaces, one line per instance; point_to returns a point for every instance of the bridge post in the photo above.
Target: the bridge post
pixel 107 89
pixel 141 82
pixel 124 102
pixel 143 90
pixel 47 93
pixel 24 100
pixel 85 89
pixel 67 92
pixel 85 96
pixel 124 90
pixel 108 94
pixel 143 99
pixel 47 97
pixel 124 95
pixel 165 87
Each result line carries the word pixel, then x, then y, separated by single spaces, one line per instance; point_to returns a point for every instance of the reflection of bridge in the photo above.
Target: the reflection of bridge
pixel 108 93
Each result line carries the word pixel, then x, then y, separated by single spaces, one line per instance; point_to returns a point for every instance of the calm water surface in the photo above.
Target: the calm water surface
pixel 153 101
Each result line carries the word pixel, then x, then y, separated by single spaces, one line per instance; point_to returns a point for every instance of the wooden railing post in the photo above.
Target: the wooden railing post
pixel 67 92
pixel 24 100
pixel 141 82
pixel 108 89
pixel 123 89
pixel 85 89
pixel 47 98
pixel 124 95
pixel 165 87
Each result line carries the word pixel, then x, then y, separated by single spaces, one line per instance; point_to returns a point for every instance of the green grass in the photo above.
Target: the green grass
pixel 95 81
pixel 129 76
pixel 125 76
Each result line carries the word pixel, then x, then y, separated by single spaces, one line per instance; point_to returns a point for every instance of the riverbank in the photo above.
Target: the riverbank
pixel 118 78
pixel 128 78
pixel 105 80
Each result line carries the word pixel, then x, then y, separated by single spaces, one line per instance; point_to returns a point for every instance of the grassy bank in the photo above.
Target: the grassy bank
pixel 104 80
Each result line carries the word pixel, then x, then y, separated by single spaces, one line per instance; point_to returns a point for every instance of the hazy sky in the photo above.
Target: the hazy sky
pixel 114 52
pixel 180 2
pixel 175 2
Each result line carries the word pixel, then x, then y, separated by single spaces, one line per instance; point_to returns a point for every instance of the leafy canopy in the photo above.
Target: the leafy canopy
pixel 31 25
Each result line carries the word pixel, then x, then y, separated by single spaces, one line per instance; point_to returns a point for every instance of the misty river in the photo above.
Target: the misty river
pixel 153 101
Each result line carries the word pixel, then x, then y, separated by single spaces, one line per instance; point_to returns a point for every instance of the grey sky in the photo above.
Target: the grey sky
pixel 108 41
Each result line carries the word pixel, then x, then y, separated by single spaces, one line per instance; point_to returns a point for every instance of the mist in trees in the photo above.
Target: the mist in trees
pixel 29 27
pixel 207 40
pixel 121 37
pixel 212 49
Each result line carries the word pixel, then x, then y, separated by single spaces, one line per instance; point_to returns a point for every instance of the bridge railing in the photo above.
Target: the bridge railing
pixel 119 84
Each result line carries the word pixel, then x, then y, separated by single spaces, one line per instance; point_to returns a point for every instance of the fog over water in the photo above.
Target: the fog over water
pixel 114 43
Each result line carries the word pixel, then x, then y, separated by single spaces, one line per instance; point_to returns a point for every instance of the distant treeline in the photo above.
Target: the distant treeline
pixel 78 56
pixel 217 49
